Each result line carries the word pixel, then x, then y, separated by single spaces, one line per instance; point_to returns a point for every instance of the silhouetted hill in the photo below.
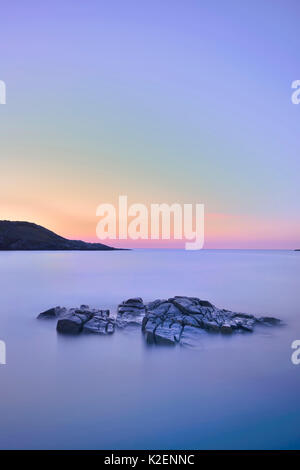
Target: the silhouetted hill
pixel 29 236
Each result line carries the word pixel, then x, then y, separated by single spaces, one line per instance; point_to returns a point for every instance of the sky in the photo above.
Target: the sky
pixel 186 102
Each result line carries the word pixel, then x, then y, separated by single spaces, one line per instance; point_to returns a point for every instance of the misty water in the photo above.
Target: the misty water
pixel 115 392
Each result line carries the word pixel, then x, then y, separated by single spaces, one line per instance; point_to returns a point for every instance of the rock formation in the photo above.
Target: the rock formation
pixel 183 320
pixel 131 312
pixel 177 320
pixel 74 321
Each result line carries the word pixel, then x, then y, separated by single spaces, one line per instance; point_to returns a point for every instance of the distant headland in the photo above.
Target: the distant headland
pixel 29 236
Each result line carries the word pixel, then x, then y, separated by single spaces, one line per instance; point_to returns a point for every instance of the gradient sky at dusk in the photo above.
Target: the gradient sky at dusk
pixel 163 101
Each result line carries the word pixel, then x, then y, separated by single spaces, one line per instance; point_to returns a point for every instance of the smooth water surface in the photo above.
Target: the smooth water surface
pixel 93 392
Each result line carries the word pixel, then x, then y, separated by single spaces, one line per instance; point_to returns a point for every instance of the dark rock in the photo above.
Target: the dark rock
pixel 131 312
pixel 178 320
pixel 71 325
pixel 75 321
pixel 241 315
pixel 165 334
pixel 100 323
pixel 183 320
pixel 269 320
pixel 52 313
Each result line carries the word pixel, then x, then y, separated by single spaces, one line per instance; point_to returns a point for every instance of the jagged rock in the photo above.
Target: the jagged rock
pixel 87 321
pixel 183 320
pixel 178 320
pixel 74 321
pixel 100 323
pixel 131 312
pixel 167 333
pixel 52 313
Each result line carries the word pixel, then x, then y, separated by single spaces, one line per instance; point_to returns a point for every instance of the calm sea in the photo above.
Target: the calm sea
pixel 116 392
